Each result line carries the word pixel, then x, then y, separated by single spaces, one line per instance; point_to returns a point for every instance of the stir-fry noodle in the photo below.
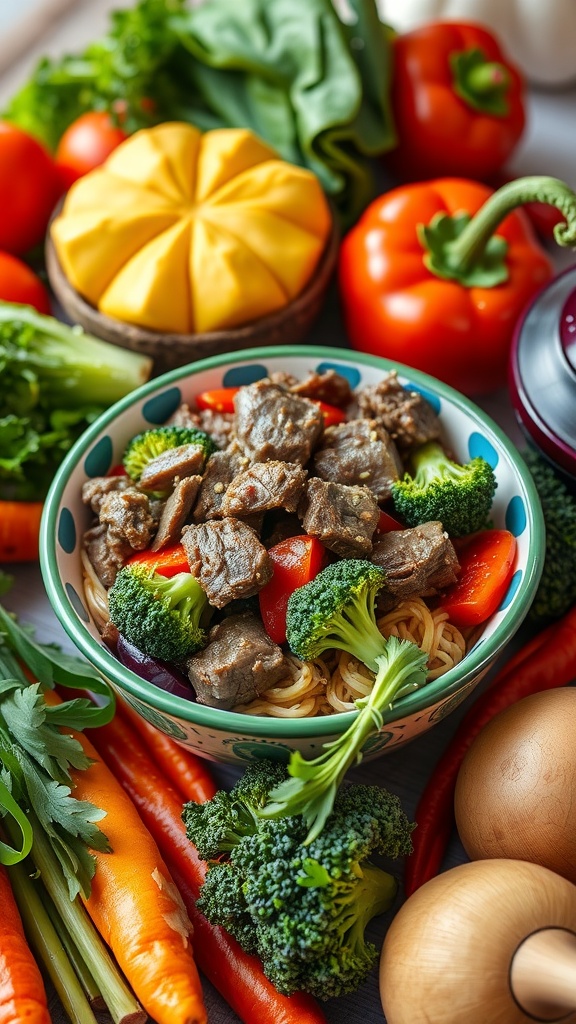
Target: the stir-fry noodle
pixel 95 593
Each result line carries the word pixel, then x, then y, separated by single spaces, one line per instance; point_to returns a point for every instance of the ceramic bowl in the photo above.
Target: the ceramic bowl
pixel 225 735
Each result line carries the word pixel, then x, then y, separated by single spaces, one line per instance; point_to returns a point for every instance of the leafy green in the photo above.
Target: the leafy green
pixel 54 381
pixel 36 757
pixel 314 87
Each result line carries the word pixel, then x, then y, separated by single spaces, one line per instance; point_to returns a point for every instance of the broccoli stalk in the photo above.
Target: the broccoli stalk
pixel 303 909
pixel 337 610
pixel 148 445
pixel 162 616
pixel 458 495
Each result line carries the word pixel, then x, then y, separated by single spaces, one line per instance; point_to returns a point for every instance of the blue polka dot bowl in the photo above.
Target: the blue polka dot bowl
pixel 228 736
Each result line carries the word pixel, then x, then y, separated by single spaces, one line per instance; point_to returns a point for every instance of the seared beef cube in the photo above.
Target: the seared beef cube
pixel 359 452
pixel 407 415
pixel 220 471
pixel 127 514
pixel 418 562
pixel 263 486
pixel 328 386
pixel 218 425
pixel 95 490
pixel 271 423
pixel 176 511
pixel 238 664
pixel 161 473
pixel 227 559
pixel 107 559
pixel 342 517
pixel 278 526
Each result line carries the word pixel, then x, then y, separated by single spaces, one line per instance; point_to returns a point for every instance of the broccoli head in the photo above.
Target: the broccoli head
pixel 458 495
pixel 150 443
pixel 161 616
pixel 302 909
pixel 556 591
pixel 336 610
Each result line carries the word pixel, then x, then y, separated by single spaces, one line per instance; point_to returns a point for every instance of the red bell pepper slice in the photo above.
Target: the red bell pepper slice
pixel 387 523
pixel 295 561
pixel 217 400
pixel 331 413
pixel 166 562
pixel 486 568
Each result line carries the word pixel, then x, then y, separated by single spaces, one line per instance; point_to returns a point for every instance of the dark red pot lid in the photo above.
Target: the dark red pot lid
pixel 543 371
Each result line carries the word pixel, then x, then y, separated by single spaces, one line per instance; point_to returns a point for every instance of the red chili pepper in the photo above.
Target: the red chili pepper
pixel 167 562
pixel 217 400
pixel 486 568
pixel 548 660
pixel 458 103
pixel 436 274
pixel 295 561
pixel 237 975
pixel 387 523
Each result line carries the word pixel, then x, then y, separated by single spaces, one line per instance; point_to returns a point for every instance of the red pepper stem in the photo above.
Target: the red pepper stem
pixel 464 251
pixel 468 250
pixel 487 78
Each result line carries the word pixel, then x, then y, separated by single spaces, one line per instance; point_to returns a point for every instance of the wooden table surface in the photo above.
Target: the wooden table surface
pixel 549 147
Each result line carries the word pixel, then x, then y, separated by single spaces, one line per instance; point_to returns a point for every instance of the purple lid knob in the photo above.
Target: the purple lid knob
pixel 543 371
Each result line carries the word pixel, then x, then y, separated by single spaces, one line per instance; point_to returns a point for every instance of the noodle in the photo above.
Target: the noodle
pixel 95 593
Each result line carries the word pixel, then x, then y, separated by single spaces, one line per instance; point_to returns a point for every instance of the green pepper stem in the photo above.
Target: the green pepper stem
pixel 464 251
pixel 482 84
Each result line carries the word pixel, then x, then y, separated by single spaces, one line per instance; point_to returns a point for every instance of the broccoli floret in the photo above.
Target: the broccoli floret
pixel 556 591
pixel 336 610
pixel 302 909
pixel 150 443
pixel 163 617
pixel 459 495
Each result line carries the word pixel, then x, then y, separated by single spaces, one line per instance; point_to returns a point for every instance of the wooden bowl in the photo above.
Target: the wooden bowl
pixel 287 326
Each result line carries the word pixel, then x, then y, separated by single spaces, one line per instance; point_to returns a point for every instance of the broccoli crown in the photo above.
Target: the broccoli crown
pixel 161 616
pixel 556 591
pixel 304 909
pixel 150 443
pixel 459 495
pixel 336 609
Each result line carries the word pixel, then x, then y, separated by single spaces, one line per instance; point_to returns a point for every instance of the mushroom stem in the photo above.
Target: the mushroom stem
pixel 543 973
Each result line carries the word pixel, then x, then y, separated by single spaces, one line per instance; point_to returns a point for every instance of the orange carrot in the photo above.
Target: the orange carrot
pixel 135 905
pixel 188 773
pixel 22 995
pixel 19 529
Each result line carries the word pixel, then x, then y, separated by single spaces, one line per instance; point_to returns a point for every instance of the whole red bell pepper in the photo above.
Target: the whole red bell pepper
pixel 295 561
pixel 425 279
pixel 458 103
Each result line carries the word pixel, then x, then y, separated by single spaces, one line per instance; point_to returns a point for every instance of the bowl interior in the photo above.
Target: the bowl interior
pixel 466 430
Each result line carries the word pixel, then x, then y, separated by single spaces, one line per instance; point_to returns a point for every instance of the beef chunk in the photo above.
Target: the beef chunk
pixel 107 559
pixel 342 517
pixel 127 514
pixel 418 562
pixel 407 415
pixel 95 490
pixel 161 473
pixel 328 386
pixel 278 526
pixel 271 423
pixel 238 664
pixel 263 486
pixel 176 511
pixel 218 425
pixel 220 471
pixel 227 559
pixel 359 452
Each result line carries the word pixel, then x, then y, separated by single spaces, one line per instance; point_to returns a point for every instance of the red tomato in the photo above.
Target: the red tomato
pixel 86 143
pixel 486 568
pixel 20 284
pixel 295 561
pixel 29 186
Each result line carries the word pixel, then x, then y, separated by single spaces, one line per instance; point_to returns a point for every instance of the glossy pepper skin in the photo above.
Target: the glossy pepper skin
pixel 458 103
pixel 394 306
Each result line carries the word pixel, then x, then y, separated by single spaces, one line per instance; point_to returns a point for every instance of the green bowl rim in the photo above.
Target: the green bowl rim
pixel 477 661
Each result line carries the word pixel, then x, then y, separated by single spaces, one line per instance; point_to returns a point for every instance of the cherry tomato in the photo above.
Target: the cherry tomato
pixel 295 561
pixel 29 186
pixel 86 143
pixel 18 283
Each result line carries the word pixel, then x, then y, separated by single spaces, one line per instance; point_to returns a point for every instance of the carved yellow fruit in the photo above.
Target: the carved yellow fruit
pixel 187 232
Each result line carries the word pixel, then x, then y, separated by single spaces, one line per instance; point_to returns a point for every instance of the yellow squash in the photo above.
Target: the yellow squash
pixel 188 232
